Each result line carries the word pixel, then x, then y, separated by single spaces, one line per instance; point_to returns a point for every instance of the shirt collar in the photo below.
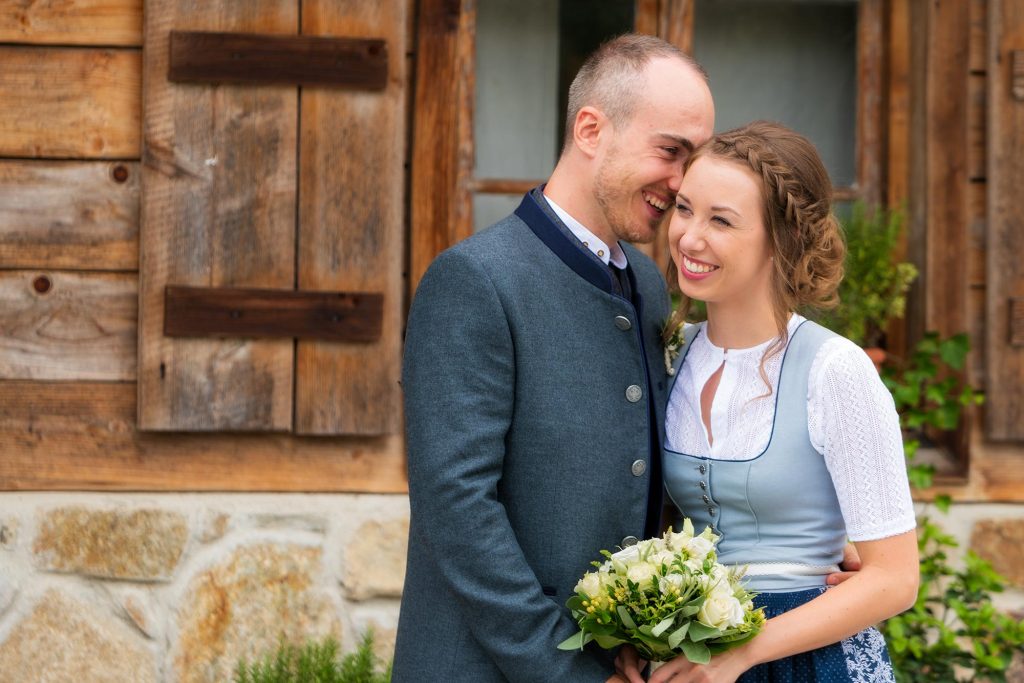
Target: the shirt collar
pixel 614 254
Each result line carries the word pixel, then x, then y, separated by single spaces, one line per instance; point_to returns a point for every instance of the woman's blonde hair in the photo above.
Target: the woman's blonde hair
pixel 805 239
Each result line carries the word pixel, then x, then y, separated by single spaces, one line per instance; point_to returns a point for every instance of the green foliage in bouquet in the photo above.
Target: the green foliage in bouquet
pixel 873 289
pixel 316 662
pixel 667 597
pixel 953 632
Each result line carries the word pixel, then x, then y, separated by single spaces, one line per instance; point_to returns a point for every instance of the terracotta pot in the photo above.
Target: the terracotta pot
pixel 877 356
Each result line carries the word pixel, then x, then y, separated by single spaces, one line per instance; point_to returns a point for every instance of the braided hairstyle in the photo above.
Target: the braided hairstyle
pixel 805 239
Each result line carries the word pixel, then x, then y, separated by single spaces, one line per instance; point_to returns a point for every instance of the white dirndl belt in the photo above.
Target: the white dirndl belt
pixel 789 569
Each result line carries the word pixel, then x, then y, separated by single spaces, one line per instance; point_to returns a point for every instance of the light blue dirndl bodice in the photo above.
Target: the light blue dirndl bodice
pixel 777 507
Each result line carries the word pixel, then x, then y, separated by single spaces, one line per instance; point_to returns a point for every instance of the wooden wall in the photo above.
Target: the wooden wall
pixel 70 164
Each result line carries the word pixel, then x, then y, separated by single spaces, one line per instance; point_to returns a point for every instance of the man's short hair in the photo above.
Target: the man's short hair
pixel 609 78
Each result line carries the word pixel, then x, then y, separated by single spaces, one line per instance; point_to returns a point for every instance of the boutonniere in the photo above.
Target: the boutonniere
pixel 673 346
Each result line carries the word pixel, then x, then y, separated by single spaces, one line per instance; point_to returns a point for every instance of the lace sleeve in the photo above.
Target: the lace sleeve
pixel 853 422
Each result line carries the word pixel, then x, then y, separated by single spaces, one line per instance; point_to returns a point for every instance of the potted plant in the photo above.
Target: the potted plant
pixel 873 290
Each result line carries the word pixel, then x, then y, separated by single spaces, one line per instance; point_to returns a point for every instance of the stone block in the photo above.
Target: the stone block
pixel 141 545
pixel 65 640
pixel 245 605
pixel 1001 542
pixel 375 560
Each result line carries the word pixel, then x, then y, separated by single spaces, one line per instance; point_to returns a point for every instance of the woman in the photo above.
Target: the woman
pixel 779 433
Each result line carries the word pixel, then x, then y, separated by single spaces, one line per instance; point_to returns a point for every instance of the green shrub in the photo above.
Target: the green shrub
pixel 316 662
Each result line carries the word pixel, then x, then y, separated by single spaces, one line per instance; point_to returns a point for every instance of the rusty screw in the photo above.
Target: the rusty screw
pixel 42 284
pixel 120 173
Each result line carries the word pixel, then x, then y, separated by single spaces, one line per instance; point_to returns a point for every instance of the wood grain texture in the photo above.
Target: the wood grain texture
pixel 67 326
pixel 83 436
pixel 977 123
pixel 218 211
pixel 241 312
pixel 352 233
pixel 69 102
pixel 444 71
pixel 1004 407
pixel 870 93
pixel 75 22
pixel 945 273
pixel 210 57
pixel 978 60
pixel 76 215
pixel 645 16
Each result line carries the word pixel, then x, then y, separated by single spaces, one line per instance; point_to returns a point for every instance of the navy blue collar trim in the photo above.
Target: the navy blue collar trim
pixel 537 214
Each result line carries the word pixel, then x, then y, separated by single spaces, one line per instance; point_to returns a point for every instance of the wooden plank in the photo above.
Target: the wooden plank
pixel 439 215
pixel 77 215
pixel 218 211
pixel 83 436
pixel 69 102
pixel 977 115
pixel 870 117
pixel 676 23
pixel 1004 407
pixel 66 326
pixel 898 142
pixel 210 57
pixel 82 22
pixel 237 312
pixel 976 366
pixel 503 185
pixel 946 173
pixel 645 16
pixel 977 207
pixel 352 224
pixel 978 59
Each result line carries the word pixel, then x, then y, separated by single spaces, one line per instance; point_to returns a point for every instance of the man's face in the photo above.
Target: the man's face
pixel 642 164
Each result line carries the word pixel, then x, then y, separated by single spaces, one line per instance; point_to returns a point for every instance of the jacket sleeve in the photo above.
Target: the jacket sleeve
pixel 459 380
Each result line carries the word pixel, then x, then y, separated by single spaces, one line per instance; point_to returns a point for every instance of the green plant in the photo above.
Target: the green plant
pixel 316 662
pixel 953 632
pixel 874 289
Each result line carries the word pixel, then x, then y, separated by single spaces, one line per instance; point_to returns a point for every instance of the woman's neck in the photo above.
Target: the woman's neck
pixel 740 327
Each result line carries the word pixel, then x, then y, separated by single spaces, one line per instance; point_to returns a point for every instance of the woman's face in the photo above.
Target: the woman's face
pixel 717 235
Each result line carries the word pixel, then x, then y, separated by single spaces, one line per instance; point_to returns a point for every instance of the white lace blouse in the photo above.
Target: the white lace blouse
pixel 852 422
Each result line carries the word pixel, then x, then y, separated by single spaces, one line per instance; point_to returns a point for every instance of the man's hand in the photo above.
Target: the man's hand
pixel 628 665
pixel 850 566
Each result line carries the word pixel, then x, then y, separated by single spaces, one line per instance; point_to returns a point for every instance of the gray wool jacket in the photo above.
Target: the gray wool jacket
pixel 533 423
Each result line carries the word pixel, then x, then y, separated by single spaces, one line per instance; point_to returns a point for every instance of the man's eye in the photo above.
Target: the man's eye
pixel 671 150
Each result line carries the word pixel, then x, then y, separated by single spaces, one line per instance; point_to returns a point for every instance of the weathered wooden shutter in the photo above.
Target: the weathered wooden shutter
pixel 1004 405
pixel 278 210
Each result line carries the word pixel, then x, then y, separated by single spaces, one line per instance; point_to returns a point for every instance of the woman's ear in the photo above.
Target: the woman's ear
pixel 590 128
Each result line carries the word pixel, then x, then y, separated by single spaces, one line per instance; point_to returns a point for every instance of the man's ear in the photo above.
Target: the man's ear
pixel 590 128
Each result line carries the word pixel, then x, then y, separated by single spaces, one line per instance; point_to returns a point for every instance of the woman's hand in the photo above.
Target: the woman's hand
pixel 723 668
pixel 628 664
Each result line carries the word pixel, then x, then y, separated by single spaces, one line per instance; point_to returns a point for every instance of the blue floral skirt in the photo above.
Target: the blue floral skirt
pixel 861 658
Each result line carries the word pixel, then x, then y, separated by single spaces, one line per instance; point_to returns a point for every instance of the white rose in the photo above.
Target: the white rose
pixel 664 557
pixel 670 581
pixel 699 547
pixel 591 584
pixel 642 574
pixel 628 554
pixel 721 610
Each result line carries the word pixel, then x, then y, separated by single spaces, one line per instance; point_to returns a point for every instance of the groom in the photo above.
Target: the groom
pixel 535 385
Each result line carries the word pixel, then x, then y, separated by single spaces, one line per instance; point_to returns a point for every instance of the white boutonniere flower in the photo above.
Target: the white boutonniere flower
pixel 672 348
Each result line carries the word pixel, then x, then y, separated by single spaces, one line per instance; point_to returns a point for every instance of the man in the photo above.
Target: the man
pixel 534 385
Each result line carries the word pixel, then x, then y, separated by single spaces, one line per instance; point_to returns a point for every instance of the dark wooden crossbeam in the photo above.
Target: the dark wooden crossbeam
pixel 206 57
pixel 237 312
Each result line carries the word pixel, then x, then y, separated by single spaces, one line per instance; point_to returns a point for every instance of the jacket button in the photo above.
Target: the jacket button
pixel 706 499
pixel 634 393
pixel 702 469
pixel 638 468
pixel 622 322
pixel 629 540
pixel 703 486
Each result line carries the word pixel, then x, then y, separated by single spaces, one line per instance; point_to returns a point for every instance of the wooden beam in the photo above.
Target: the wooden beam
pixel 82 22
pixel 81 436
pixel 268 313
pixel 37 87
pixel 442 154
pixel 215 57
pixel 1004 404
pixel 75 215
pixel 352 199
pixel 503 185
pixel 67 326
pixel 870 94
pixel 219 205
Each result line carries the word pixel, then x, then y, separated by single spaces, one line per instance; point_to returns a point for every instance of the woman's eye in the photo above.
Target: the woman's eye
pixel 721 221
pixel 682 208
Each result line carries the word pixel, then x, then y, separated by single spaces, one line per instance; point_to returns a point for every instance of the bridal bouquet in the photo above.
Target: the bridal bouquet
pixel 667 597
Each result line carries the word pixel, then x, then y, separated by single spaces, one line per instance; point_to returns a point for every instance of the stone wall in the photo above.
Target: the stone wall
pixel 178 587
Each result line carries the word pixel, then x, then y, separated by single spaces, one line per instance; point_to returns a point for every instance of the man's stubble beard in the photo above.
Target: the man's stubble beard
pixel 615 203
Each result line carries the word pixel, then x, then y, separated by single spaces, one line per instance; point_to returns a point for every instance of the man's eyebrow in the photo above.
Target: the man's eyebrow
pixel 681 141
